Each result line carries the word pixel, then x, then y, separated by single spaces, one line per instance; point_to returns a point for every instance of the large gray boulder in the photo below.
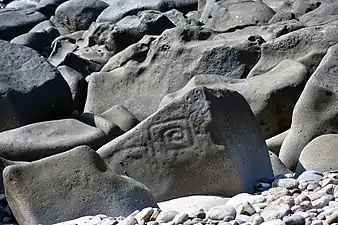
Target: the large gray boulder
pixel 120 8
pixel 325 13
pixel 79 14
pixel 307 46
pixel 31 89
pixel 16 22
pixel 223 16
pixel 203 138
pixel 321 154
pixel 70 185
pixel 168 64
pixel 316 111
pixel 39 140
pixel 271 96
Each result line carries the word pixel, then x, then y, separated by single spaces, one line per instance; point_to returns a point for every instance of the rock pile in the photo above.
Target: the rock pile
pixel 169 112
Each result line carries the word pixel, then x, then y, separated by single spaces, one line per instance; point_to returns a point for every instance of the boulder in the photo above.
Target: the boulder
pixel 78 86
pixel 307 46
pixel 39 41
pixel 325 13
pixel 222 16
pixel 315 113
pixel 36 141
pixel 282 16
pixel 127 31
pixel 16 22
pixel 278 167
pixel 82 185
pixel 120 8
pixel 203 137
pixel 320 154
pixel 44 25
pixel 79 14
pixel 274 143
pixel 171 61
pixel 271 96
pixel 31 89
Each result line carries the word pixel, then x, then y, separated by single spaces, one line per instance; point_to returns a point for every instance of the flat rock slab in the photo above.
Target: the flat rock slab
pixel 204 137
pixel 316 110
pixel 39 140
pixel 16 22
pixel 71 185
pixel 31 89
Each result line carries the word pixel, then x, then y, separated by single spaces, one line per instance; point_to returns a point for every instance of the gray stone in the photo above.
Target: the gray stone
pixel 307 46
pixel 176 56
pixel 166 216
pixel 31 89
pixel 333 218
pixel 179 141
pixel 91 220
pixel 223 16
pixel 273 222
pixel 272 104
pixel 60 49
pixel 78 14
pixel 40 140
pixel 44 25
pixel 322 201
pixel 315 112
pixel 294 220
pixel 277 165
pixel 77 85
pixel 17 22
pixel 274 143
pixel 325 13
pixel 310 176
pixel 282 16
pixel 275 211
pixel 288 183
pixel 145 214
pixel 79 175
pixel 180 218
pixel 220 212
pixel 320 154
pixel 246 209
pixel 120 8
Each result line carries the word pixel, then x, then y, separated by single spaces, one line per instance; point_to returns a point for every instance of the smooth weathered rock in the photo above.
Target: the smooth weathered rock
pixel 220 212
pixel 315 113
pixel 80 180
pixel 224 16
pixel 90 220
pixel 307 46
pixel 320 154
pixel 325 13
pixel 78 14
pixel 117 36
pixel 186 141
pixel 16 22
pixel 120 8
pixel 61 48
pixel 39 140
pixel 275 143
pixel 172 60
pixel 77 85
pixel 277 165
pixel 166 216
pixel 271 96
pixel 31 90
pixel 282 16
pixel 275 211
pixel 310 176
pixel 44 25
pixel 294 220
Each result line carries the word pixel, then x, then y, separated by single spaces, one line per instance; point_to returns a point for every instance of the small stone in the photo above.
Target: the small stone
pixel 274 222
pixel 275 211
pixel 246 209
pixel 224 223
pixel 220 212
pixel 312 186
pixel 228 218
pixel 6 219
pixel 129 220
pixel 323 201
pixel 181 218
pixel 241 219
pixel 321 216
pixel 294 220
pixel 153 223
pixel 155 214
pixel 145 214
pixel 288 183
pixel 301 198
pixel 333 218
pixel 256 219
pixel 166 216
pixel 306 205
pixel 310 176
pixel 317 222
